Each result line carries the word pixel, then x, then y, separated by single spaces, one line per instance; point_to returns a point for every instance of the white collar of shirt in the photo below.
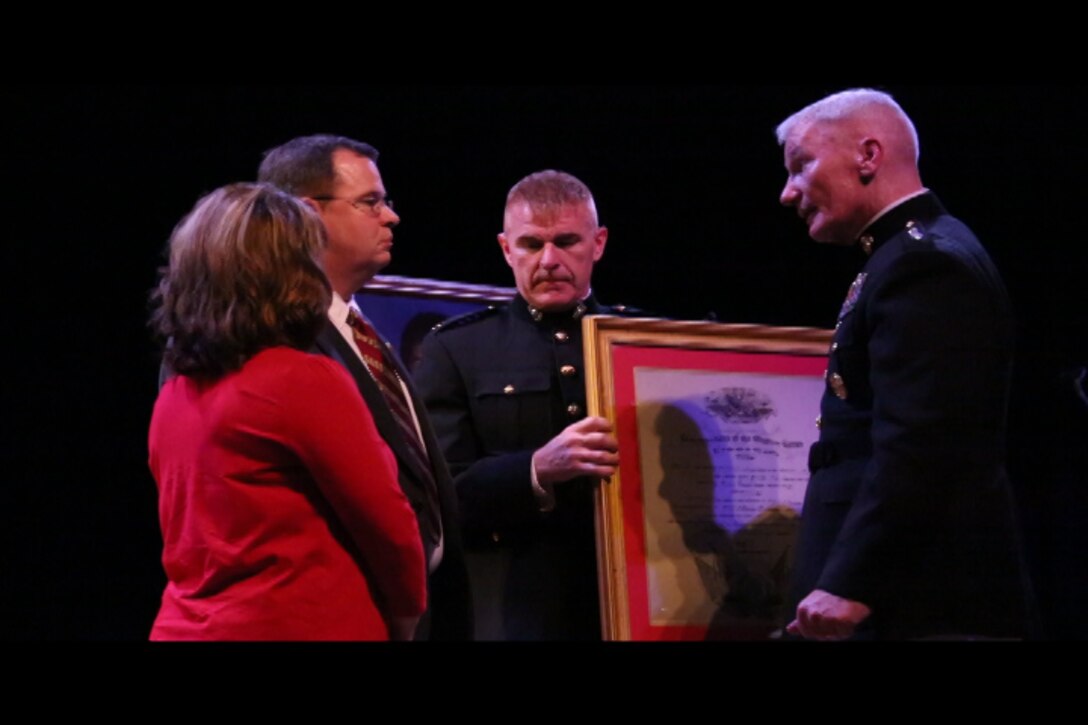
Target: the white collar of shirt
pixel 338 316
pixel 888 208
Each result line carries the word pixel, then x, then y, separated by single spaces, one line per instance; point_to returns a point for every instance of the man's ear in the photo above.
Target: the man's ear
pixel 504 244
pixel 599 240
pixel 870 157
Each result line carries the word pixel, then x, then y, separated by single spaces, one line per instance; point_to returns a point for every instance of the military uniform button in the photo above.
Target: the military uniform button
pixel 573 409
pixel 867 244
pixel 819 421
pixel 509 390
pixel 834 346
pixel 561 336
pixel 568 371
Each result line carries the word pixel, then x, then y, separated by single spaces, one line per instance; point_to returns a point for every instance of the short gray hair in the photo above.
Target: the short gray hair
pixel 550 189
pixel 845 104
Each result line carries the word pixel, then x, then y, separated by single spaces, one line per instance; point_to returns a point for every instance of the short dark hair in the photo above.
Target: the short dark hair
pixel 303 165
pixel 243 275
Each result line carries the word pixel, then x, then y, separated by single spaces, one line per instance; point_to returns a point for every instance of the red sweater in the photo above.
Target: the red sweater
pixel 281 514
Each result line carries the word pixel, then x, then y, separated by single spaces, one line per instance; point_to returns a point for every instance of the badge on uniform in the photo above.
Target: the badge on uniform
pixel 853 294
pixel 838 385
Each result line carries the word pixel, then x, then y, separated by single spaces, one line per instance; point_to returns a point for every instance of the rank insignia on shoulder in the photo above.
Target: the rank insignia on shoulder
pixel 915 230
pixel 626 311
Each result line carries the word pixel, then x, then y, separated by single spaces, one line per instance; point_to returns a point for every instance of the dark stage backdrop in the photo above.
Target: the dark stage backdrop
pixel 686 178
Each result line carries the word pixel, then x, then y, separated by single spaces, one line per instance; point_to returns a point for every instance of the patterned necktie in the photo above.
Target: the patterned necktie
pixel 385 375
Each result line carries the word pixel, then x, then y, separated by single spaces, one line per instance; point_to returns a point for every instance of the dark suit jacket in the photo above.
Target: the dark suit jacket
pixel 495 386
pixel 449 610
pixel 908 508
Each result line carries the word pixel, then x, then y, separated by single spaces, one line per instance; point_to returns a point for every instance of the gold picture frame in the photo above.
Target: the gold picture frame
pixel 695 530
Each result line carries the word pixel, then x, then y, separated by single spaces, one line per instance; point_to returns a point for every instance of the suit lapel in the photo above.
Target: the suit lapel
pixel 332 344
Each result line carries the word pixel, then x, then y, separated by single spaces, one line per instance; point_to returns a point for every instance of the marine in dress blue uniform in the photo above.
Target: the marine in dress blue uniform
pixel 499 384
pixel 505 389
pixel 909 508
pixel 908 527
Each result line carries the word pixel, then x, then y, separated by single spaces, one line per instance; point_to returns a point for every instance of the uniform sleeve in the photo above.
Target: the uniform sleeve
pixel 495 493
pixel 337 441
pixel 938 363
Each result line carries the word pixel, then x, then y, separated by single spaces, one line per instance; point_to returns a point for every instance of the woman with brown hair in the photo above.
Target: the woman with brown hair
pixel 276 524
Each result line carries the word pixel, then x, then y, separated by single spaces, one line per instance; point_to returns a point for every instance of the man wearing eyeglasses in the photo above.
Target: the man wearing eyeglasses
pixel 505 388
pixel 339 178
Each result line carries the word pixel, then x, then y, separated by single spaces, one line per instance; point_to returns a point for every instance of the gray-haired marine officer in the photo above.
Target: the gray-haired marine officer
pixel 505 389
pixel 908 529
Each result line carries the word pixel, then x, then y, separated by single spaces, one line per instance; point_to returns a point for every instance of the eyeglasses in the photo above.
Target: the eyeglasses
pixel 372 204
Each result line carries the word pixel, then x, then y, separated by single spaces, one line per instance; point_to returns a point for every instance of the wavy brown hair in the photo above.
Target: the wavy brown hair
pixel 243 275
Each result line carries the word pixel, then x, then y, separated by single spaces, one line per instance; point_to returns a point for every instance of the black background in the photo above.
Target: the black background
pixel 686 177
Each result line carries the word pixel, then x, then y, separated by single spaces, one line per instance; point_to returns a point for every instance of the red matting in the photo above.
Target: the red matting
pixel 625 358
